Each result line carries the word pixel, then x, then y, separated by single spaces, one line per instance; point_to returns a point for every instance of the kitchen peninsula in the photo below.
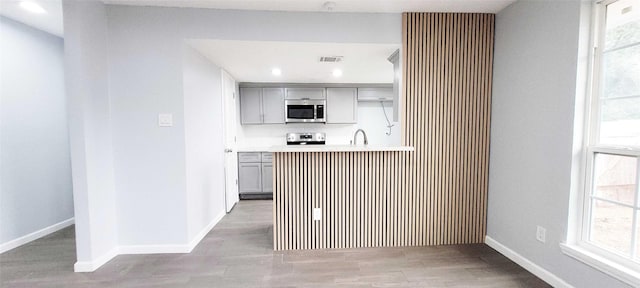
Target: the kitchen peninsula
pixel 339 196
pixel 350 197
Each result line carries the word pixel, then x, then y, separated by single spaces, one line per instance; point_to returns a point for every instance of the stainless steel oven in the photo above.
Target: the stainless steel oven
pixel 306 138
pixel 305 110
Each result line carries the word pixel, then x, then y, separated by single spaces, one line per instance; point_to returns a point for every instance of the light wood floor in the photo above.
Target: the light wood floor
pixel 238 253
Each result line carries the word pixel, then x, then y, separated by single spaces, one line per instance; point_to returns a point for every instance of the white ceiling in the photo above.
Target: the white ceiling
pixel 50 22
pixel 252 61
pixel 387 6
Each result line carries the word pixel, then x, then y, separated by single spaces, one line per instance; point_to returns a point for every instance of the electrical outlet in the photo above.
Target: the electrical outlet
pixel 317 214
pixel 541 234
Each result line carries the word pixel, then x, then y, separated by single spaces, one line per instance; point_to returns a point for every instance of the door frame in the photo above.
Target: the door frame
pixel 229 203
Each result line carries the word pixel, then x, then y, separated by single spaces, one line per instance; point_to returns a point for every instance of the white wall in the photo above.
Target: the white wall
pixel 89 115
pixel 145 75
pixel 136 183
pixel 535 85
pixel 35 167
pixel 370 118
pixel 202 83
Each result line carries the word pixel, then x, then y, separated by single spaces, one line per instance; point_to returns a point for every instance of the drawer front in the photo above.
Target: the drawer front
pixel 267 157
pixel 249 157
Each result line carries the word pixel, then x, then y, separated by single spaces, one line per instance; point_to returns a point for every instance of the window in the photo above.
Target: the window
pixel 611 218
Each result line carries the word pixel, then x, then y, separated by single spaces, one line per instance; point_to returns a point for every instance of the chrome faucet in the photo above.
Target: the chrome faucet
pixel 355 135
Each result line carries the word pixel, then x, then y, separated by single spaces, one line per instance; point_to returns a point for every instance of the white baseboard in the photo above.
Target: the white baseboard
pixel 153 249
pixel 90 266
pixel 196 240
pixel 4 247
pixel 171 249
pixel 542 273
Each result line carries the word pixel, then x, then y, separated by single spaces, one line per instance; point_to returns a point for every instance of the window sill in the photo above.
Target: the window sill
pixel 616 270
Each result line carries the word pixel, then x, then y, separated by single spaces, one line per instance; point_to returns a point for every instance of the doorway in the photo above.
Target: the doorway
pixel 229 95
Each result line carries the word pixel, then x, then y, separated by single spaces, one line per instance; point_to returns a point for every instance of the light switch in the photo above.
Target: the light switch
pixel 541 234
pixel 165 120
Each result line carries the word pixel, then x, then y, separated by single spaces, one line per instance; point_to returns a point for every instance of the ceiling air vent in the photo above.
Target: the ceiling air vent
pixel 331 59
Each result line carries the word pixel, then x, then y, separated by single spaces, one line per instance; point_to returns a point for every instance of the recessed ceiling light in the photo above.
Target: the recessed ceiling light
pixel 32 7
pixel 276 71
pixel 337 73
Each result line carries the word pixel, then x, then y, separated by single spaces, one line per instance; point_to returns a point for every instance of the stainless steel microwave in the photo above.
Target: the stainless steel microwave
pixel 305 111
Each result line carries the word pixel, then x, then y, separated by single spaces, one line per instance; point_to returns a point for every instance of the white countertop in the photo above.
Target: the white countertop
pixel 337 148
pixel 254 149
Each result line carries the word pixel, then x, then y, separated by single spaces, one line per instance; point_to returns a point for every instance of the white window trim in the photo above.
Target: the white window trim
pixel 597 261
pixel 606 261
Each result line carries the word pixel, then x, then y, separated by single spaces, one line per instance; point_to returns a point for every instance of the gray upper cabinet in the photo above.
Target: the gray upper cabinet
pixel 397 78
pixel 342 105
pixel 262 105
pixel 375 94
pixel 251 105
pixel 305 93
pixel 273 105
pixel 265 105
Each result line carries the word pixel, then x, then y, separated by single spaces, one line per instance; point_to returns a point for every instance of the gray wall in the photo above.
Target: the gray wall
pixel 535 85
pixel 145 78
pixel 203 115
pixel 35 168
pixel 85 25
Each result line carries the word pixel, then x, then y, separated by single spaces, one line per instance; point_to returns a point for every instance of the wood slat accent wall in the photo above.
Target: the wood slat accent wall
pixel 432 196
pixel 448 59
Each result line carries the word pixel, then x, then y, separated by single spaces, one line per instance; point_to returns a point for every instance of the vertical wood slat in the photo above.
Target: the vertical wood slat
pixel 434 195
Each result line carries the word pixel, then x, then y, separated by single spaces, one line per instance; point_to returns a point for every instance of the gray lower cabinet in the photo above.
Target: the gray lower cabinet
pixel 267 177
pixel 250 177
pixel 255 174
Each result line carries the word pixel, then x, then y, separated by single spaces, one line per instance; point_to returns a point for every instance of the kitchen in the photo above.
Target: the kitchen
pixel 301 108
pixel 175 113
pixel 303 94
